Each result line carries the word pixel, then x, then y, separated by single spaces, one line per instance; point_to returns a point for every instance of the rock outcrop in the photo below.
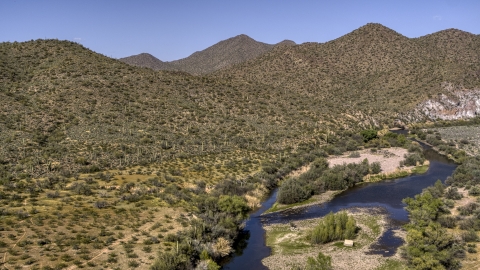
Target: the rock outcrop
pixel 455 103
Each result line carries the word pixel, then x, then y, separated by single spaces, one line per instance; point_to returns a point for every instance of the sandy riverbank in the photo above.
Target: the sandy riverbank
pixel 389 158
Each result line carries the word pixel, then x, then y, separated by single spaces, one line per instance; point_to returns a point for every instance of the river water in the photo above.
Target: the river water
pixel 387 195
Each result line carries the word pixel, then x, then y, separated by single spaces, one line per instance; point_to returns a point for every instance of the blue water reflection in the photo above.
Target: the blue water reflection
pixel 386 195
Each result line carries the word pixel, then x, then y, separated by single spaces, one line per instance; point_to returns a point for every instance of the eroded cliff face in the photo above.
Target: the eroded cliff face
pixel 455 102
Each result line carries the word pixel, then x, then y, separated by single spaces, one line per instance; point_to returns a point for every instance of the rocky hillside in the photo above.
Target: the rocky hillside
pixel 66 109
pixel 147 60
pixel 456 103
pixel 223 54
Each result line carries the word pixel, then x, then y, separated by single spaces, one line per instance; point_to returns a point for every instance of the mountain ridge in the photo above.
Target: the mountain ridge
pixel 222 54
pixel 67 108
pixel 147 60
pixel 241 48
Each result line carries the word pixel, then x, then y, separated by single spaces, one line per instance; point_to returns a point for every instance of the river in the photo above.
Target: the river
pixel 388 195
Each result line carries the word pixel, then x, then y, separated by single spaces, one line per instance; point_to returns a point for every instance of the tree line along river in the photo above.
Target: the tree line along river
pixel 388 195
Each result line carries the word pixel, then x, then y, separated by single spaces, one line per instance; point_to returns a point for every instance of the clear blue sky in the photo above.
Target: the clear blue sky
pixel 175 29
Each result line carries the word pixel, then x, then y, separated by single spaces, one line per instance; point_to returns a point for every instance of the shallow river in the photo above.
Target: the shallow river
pixel 388 195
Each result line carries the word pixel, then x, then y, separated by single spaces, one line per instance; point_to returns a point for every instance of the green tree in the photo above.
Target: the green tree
pixel 423 208
pixel 292 191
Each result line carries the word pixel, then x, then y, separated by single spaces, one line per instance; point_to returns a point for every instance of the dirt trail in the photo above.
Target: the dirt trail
pixel 14 245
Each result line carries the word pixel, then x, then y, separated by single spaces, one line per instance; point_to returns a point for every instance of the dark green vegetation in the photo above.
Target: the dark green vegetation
pixel 320 178
pixel 338 226
pixel 467 174
pixel 415 155
pixel 429 245
pixel 440 231
pixel 444 221
pixel 321 262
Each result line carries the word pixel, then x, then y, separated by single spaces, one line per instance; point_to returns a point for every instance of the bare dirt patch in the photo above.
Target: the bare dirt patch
pixel 389 158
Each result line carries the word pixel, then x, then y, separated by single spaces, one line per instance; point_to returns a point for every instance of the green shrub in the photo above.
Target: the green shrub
pixel 354 154
pixel 470 236
pixel 468 209
pixel 133 264
pixel 375 167
pixel 413 158
pixel 447 221
pixel 474 191
pixel 453 194
pixel 292 191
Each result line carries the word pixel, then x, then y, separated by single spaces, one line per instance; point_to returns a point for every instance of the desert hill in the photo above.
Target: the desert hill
pixel 382 69
pixel 67 109
pixel 223 54
pixel 147 60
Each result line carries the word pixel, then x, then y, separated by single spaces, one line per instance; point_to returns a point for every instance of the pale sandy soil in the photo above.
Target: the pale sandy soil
pixel 342 258
pixel 389 158
pixel 299 171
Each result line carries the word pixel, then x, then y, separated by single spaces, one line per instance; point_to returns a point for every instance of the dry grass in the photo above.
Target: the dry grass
pixel 67 230
pixel 70 231
pixel 463 137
